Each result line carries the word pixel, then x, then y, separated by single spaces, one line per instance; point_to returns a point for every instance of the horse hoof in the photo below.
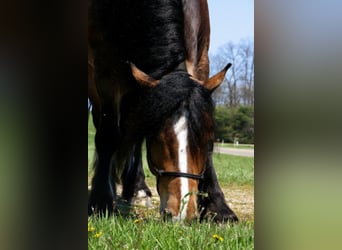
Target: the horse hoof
pixel 102 210
pixel 222 217
pixel 227 218
pixel 142 199
pixel 100 205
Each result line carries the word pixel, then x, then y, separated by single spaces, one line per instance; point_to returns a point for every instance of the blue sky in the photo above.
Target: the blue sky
pixel 230 20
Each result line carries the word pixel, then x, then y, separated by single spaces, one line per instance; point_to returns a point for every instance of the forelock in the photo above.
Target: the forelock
pixel 177 93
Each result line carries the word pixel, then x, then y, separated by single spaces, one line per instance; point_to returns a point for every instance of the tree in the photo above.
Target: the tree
pixel 246 53
pixel 238 86
pixel 234 115
pixel 234 123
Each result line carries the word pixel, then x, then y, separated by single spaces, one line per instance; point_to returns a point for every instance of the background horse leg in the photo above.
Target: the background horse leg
pixel 142 194
pixel 102 192
pixel 214 203
pixel 133 179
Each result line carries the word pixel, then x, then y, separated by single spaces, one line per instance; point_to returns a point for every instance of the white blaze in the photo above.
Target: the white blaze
pixel 181 131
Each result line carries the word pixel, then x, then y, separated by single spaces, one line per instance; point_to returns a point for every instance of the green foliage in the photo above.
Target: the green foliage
pixel 235 124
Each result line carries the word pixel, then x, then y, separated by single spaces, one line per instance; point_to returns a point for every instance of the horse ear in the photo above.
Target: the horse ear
pixel 213 82
pixel 142 78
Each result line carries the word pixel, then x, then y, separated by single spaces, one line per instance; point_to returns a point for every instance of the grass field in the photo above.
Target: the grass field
pixel 144 229
pixel 232 145
pixel 151 233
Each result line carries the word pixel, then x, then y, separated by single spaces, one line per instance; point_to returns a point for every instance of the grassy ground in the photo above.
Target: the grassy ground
pixel 232 145
pixel 144 229
pixel 151 233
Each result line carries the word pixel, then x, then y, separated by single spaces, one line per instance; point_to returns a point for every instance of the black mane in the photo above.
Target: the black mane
pixel 149 33
pixel 177 93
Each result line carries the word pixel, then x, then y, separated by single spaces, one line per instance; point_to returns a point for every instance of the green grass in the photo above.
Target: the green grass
pixel 232 145
pixel 153 233
pixel 145 230
pixel 231 169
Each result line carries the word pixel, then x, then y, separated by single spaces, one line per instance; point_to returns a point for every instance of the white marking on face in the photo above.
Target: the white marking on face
pixel 181 131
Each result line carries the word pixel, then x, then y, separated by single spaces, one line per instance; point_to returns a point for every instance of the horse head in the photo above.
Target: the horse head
pixel 178 118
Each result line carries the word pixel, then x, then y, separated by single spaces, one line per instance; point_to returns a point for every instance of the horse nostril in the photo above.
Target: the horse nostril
pixel 166 214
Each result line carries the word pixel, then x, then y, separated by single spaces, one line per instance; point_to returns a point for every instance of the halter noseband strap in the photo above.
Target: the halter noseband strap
pixel 161 173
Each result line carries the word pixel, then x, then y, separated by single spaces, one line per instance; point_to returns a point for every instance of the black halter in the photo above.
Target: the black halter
pixel 161 173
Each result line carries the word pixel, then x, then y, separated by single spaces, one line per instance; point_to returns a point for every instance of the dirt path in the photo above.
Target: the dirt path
pixel 239 198
pixel 234 151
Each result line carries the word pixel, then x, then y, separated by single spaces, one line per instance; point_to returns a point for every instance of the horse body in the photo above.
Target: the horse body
pixel 156 99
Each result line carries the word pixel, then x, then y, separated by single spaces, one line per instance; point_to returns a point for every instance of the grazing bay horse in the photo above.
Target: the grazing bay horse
pixel 150 69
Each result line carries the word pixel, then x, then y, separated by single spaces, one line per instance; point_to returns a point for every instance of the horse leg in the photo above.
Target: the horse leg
pixel 129 155
pixel 133 179
pixel 214 203
pixel 142 193
pixel 102 191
